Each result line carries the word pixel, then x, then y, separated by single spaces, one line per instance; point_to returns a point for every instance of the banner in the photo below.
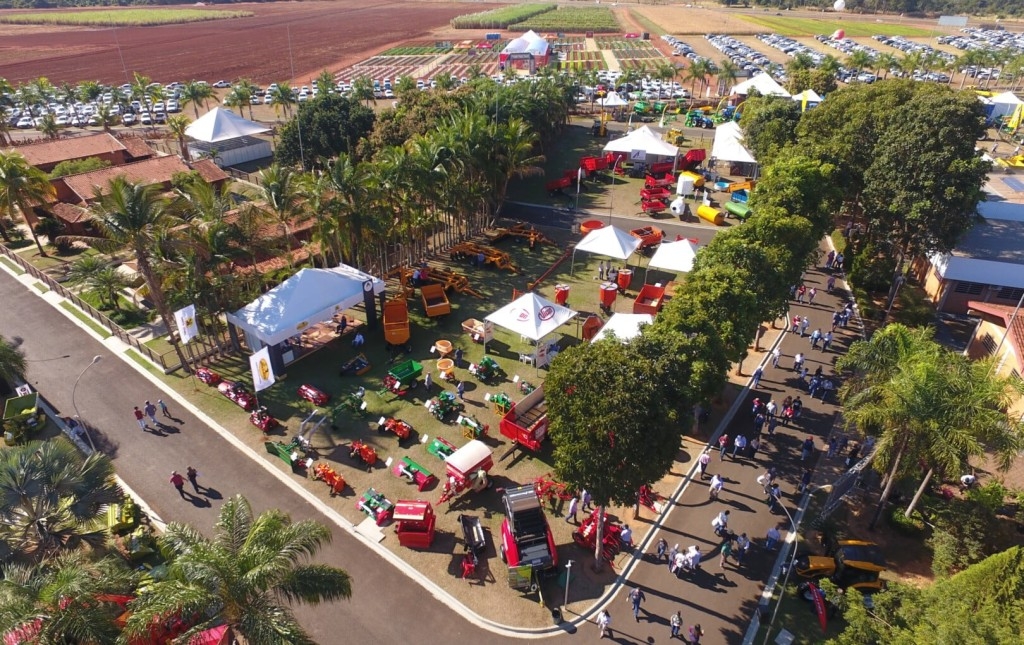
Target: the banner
pixel 262 371
pixel 185 319
pixel 1015 120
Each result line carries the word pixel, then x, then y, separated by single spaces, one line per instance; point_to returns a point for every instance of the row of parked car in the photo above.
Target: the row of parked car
pixel 742 56
pixel 985 39
pixel 680 48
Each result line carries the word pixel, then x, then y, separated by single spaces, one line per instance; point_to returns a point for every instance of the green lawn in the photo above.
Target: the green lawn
pixel 787 26
pixel 12 266
pixel 77 313
pixel 41 287
pixel 120 17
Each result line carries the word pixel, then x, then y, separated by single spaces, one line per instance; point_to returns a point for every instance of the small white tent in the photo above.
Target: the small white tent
pixel 227 138
pixel 308 297
pixel 675 256
pixel 763 83
pixel 728 144
pixel 1004 104
pixel 625 326
pixel 645 139
pixel 608 241
pixel 219 125
pixel 612 100
pixel 809 95
pixel 531 316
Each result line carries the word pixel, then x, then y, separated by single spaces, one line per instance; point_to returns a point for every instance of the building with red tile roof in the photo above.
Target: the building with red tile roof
pixel 157 171
pixel 45 155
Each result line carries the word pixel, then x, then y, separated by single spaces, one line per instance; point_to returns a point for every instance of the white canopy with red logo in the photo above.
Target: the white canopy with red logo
pixel 532 316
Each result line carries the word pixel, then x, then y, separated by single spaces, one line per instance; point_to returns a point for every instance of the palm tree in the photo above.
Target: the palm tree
pixel 859 60
pixel 176 126
pixel 514 154
pixel 279 190
pixel 885 62
pixel 911 62
pixel 69 599
pixel 12 362
pixel 362 90
pixel 134 217
pixel 196 92
pixel 243 576
pixel 324 83
pixel 106 116
pixel 699 70
pixel 54 499
pixel 21 186
pixel 244 90
pixel 281 97
pixel 145 92
pixel 235 99
pixel 727 74
pixel 48 126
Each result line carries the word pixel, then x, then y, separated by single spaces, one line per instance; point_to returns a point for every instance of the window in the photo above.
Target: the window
pixel 972 288
pixel 1010 293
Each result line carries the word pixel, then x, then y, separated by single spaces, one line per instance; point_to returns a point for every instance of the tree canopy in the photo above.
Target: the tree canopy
pixel 324 127
pixel 769 125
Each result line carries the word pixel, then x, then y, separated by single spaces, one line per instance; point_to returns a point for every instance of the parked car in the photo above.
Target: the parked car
pixel 221 84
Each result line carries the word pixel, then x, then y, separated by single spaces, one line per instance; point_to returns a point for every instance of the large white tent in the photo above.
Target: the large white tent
pixel 531 316
pixel 763 83
pixel 612 100
pixel 608 241
pixel 1005 103
pixel 308 297
pixel 625 326
pixel 728 144
pixel 675 256
pixel 643 138
pixel 227 138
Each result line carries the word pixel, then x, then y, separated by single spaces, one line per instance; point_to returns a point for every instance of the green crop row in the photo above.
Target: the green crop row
pixel 120 17
pixel 426 50
pixel 572 19
pixel 499 18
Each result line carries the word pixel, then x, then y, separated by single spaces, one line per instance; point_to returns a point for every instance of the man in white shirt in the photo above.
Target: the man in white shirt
pixel 717 483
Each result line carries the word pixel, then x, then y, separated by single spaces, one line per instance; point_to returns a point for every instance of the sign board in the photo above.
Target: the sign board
pixel 520 577
pixel 638 155
pixel 952 21
pixel 488 332
pixel 23 390
pixel 522 56
pixel 541 358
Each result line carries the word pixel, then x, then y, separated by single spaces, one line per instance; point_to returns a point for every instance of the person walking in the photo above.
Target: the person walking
pixel 458 357
pixel 742 544
pixel 695 633
pixel 704 460
pixel 604 623
pixel 772 538
pixel 150 411
pixel 774 495
pixel 773 422
pixel 826 342
pixel 798 362
pixel 585 500
pixel 810 295
pixel 776 355
pixel 721 523
pixel 739 445
pixel 798 407
pixel 759 420
pixel 661 548
pixel 726 552
pixel 755 378
pixel 178 482
pixel 801 293
pixel 829 259
pixel 573 508
pixel 461 389
pixel 836 317
pixel 723 443
pixel 163 408
pixel 675 624
pixel 139 417
pixel 636 597
pixel 804 324
pixel 806 448
pixel 755 445
pixel 672 556
pixel 193 476
pixel 830 284
pixel 795 327
pixel 716 486
pixel 805 480
pixel 771 408
pixel 833 443
pixel 851 457
pixel 815 338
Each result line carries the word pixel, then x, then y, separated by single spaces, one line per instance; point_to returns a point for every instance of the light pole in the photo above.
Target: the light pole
pixel 611 194
pixel 78 416
pixel 568 576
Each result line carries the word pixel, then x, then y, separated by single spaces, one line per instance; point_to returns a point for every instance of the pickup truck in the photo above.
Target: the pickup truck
pixel 526 538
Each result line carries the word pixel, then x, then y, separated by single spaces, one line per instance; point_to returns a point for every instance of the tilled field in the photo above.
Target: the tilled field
pixel 321 34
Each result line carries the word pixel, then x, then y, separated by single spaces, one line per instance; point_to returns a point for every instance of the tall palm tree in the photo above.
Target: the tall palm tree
pixel 859 60
pixel 69 599
pixel 145 92
pixel 911 62
pixel 106 116
pixel 243 576
pixel 53 499
pixel 134 217
pixel 49 127
pixel 176 126
pixel 235 98
pixel 244 90
pixel 21 186
pixel 12 361
pixel 885 62
pixel 196 92
pixel 699 70
pixel 324 83
pixel 279 189
pixel 282 98
pixel 515 154
pixel 727 74
pixel 362 89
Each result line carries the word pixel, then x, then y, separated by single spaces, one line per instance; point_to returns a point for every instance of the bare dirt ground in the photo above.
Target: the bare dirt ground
pixel 320 34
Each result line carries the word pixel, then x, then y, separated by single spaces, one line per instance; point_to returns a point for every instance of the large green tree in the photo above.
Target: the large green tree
pixel 799 185
pixel 769 125
pixel 245 576
pixel 21 187
pixel 324 127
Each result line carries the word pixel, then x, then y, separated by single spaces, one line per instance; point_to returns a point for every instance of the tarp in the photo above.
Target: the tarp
pixel 625 326
pixel 609 241
pixel 645 139
pixel 531 316
pixel 728 144
pixel 763 83
pixel 1004 104
pixel 675 256
pixel 809 95
pixel 612 100
pixel 221 125
pixel 308 297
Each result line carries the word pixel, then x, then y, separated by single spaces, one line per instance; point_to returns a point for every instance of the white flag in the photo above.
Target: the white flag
pixel 185 319
pixel 262 370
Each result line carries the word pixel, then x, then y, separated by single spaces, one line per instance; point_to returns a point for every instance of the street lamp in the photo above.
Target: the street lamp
pixel 78 416
pixel 611 194
pixel 568 576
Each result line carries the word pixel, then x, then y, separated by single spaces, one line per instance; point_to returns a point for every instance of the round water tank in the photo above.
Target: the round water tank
pixel 678 206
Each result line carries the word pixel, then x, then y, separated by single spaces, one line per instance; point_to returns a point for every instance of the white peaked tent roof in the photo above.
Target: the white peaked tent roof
pixel 529 42
pixel 609 241
pixel 612 100
pixel 532 316
pixel 625 326
pixel 810 95
pixel 1007 98
pixel 308 297
pixel 763 83
pixel 675 256
pixel 728 144
pixel 220 125
pixel 643 138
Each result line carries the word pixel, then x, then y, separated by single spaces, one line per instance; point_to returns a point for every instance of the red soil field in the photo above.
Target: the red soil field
pixel 323 35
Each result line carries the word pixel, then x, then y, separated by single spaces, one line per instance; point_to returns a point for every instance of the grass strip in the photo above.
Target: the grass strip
pixel 12 266
pixel 77 313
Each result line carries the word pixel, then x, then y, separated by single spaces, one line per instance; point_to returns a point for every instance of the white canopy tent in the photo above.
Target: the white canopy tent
pixel 643 138
pixel 531 316
pixel 674 256
pixel 763 83
pixel 1004 104
pixel 809 95
pixel 728 144
pixel 308 297
pixel 529 42
pixel 625 326
pixel 608 241
pixel 612 100
pixel 219 125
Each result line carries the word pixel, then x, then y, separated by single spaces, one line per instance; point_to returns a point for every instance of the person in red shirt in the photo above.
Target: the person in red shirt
pixel 140 417
pixel 178 481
